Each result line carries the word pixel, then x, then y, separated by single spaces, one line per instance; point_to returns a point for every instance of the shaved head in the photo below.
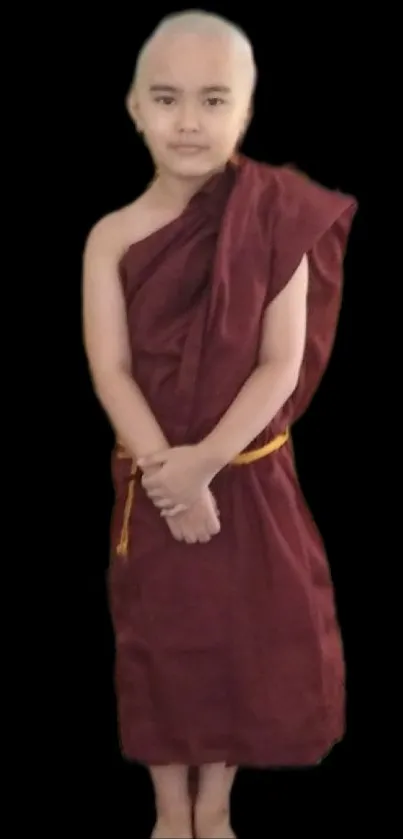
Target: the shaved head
pixel 191 96
pixel 197 22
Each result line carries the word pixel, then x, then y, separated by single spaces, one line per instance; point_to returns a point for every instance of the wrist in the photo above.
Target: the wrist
pixel 212 455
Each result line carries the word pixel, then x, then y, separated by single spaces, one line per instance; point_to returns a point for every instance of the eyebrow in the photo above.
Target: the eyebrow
pixel 167 88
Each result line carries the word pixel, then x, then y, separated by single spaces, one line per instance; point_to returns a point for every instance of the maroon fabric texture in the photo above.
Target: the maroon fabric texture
pixel 229 651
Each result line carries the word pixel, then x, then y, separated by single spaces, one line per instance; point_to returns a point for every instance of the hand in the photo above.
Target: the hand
pixel 197 524
pixel 182 476
pixel 151 470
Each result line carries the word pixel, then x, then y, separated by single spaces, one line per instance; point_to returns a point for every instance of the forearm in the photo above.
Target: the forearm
pixel 262 396
pixel 130 415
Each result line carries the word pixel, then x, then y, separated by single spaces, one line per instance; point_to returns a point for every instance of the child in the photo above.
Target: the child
pixel 210 308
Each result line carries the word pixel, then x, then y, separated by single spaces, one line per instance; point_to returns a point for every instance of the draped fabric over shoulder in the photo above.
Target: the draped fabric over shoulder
pixel 228 651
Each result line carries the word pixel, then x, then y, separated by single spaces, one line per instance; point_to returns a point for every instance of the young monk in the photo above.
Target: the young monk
pixel 210 308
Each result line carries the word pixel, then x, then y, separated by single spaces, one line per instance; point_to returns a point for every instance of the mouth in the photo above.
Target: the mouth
pixel 188 148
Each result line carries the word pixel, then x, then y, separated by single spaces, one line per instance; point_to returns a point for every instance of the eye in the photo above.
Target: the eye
pixel 165 100
pixel 213 101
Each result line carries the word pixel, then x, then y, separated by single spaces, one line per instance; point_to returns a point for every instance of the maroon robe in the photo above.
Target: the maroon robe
pixel 229 651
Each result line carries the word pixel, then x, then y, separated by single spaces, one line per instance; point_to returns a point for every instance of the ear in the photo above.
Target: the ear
pixel 248 118
pixel 246 124
pixel 132 108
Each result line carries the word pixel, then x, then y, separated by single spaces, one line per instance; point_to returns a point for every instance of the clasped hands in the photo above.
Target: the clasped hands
pixel 177 481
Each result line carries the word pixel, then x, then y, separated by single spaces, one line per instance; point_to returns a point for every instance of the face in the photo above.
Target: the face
pixel 192 102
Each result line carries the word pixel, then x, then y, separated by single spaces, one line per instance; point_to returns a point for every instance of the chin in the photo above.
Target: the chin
pixel 194 167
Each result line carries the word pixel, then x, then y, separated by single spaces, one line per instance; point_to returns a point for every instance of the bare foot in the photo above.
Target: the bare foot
pixel 214 828
pixel 167 830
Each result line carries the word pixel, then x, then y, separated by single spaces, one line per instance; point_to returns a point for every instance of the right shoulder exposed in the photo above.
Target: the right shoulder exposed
pixel 103 236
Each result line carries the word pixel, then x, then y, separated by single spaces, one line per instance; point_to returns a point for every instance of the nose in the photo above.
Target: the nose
pixel 188 119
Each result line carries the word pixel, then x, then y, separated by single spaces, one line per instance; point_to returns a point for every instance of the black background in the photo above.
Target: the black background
pixel 313 107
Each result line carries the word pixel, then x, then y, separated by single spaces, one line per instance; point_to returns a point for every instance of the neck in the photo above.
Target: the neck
pixel 177 191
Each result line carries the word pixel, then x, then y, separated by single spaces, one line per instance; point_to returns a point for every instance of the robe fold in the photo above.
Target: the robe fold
pixel 229 651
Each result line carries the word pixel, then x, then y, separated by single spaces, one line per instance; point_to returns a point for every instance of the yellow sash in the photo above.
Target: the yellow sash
pixel 241 459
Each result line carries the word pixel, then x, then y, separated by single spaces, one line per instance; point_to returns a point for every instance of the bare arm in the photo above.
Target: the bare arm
pixel 273 381
pixel 107 346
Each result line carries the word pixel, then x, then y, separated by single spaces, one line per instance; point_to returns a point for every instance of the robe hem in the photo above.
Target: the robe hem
pixel 292 758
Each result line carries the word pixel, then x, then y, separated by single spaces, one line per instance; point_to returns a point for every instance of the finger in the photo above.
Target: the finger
pixel 168 512
pixel 149 482
pixel 203 535
pixel 176 530
pixel 214 527
pixel 157 459
pixel 198 532
pixel 155 494
pixel 189 534
pixel 163 504
pixel 202 531
pixel 177 534
pixel 176 526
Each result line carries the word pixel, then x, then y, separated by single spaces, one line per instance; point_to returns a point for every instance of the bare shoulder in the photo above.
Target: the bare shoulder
pixel 104 311
pixel 145 217
pixel 116 232
pixel 109 236
pixel 106 335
